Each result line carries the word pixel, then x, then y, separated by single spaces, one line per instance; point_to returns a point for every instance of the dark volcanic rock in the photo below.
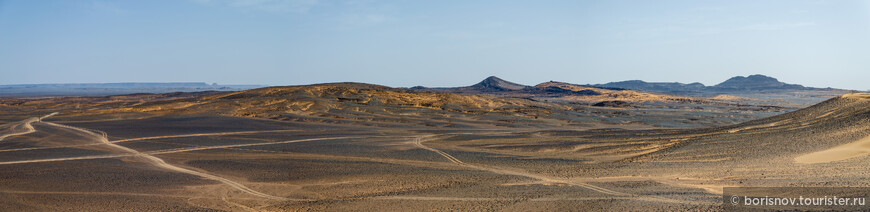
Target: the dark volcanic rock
pixel 490 85
pixel 755 82
pixel 494 83
pixel 664 87
pixel 558 90
pixel 612 104
pixel 752 83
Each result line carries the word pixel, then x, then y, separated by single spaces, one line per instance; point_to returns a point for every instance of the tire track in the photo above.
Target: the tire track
pixel 201 134
pixel 66 159
pixel 620 195
pixel 150 138
pixel 162 164
pixel 27 126
pixel 28 129
pixel 427 198
pixel 419 142
pixel 177 150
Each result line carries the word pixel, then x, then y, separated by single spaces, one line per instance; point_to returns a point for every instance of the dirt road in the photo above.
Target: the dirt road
pixel 162 164
pixel 27 126
pixel 500 170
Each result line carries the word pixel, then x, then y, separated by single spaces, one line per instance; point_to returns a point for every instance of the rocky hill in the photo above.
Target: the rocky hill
pixel 494 83
pixel 603 94
pixel 756 82
pixel 837 121
pixel 346 103
pixel 560 91
pixel 667 87
pixel 751 83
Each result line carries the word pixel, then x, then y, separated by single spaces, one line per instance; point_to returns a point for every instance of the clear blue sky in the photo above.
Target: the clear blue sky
pixel 433 43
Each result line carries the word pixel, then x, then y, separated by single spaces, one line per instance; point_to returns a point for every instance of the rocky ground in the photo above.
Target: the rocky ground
pixel 362 147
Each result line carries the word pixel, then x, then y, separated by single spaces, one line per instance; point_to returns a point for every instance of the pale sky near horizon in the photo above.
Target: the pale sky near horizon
pixel 819 43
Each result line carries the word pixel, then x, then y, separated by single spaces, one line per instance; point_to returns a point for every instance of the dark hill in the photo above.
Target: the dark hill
pixel 550 90
pixel 664 87
pixel 491 84
pixel 755 82
pixel 834 122
pixel 752 83
pixel 494 83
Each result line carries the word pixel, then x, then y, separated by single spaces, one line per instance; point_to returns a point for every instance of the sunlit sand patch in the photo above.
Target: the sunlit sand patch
pixel 709 188
pixel 399 146
pixel 708 185
pixel 693 160
pixel 838 153
pixel 857 95
pixel 827 114
pixel 536 182
pixel 774 124
pixel 732 98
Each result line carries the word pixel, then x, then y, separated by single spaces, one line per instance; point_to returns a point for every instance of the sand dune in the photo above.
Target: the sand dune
pixel 857 95
pixel 851 150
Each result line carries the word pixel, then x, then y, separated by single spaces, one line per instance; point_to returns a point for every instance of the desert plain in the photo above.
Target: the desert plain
pixel 363 147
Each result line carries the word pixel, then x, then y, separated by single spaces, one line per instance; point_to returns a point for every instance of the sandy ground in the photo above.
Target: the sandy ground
pixel 212 162
pixel 851 150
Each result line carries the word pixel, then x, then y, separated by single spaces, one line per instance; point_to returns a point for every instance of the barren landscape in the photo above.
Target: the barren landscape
pixel 390 105
pixel 353 146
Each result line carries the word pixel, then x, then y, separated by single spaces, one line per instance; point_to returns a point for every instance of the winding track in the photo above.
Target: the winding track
pixel 418 141
pixel 177 150
pixel 162 164
pixel 619 195
pixel 103 138
pixel 152 138
pixel 27 125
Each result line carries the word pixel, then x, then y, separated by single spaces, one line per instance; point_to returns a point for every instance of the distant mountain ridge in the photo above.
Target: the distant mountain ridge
pixel 557 91
pixel 756 82
pixel 129 85
pixel 664 87
pixel 491 84
pixel 751 83
pixel 98 89
pixel 496 86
